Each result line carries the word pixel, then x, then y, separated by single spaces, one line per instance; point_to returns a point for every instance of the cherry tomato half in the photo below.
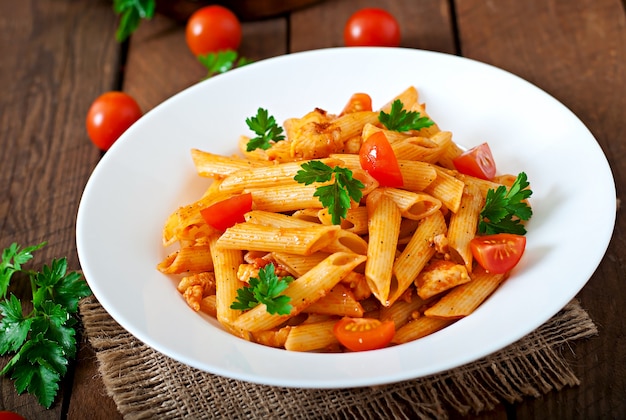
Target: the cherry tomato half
pixel 226 213
pixel 211 29
pixel 372 27
pixel 379 160
pixel 360 334
pixel 358 102
pixel 477 161
pixel 109 116
pixel 498 253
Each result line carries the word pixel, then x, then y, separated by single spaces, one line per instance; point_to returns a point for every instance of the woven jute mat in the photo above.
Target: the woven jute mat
pixel 146 384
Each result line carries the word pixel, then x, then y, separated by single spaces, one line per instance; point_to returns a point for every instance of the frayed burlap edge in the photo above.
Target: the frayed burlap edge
pixel 146 384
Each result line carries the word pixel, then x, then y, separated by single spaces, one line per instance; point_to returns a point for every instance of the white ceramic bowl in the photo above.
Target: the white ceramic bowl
pixel 148 173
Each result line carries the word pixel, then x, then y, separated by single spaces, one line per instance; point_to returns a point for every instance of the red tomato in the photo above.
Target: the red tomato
pixel 109 116
pixel 357 103
pixel 211 29
pixel 9 415
pixel 498 253
pixel 226 213
pixel 379 160
pixel 360 334
pixel 372 27
pixel 477 161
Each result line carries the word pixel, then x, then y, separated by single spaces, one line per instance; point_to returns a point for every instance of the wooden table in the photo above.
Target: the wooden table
pixel 58 55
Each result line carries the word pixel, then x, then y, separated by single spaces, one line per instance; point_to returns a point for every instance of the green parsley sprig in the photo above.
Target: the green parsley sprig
pixel 266 289
pixel 266 130
pixel 399 119
pixel 505 209
pixel 221 62
pixel 43 340
pixel 131 13
pixel 336 196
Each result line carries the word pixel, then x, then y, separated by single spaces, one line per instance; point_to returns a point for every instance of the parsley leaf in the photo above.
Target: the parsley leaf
pixel 131 12
pixel 505 209
pixel 265 289
pixel 12 260
pixel 402 120
pixel 43 340
pixel 221 61
pixel 336 196
pixel 266 129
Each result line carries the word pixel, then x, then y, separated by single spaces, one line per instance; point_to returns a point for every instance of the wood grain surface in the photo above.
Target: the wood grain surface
pixel 59 55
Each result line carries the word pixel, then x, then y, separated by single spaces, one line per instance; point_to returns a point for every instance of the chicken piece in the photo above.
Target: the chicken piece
pixel 313 136
pixel 196 287
pixel 439 276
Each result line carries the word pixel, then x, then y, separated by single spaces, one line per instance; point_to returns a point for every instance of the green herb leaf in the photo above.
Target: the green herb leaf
pixel 12 260
pixel 44 340
pixel 266 289
pixel 55 284
pixel 402 120
pixel 14 325
pixel 336 196
pixel 38 369
pixel 505 209
pixel 222 61
pixel 131 13
pixel 266 129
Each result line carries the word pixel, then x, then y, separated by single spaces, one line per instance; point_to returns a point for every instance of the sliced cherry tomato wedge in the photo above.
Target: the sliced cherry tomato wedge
pixel 360 334
pixel 498 253
pixel 226 213
pixel 357 103
pixel 477 161
pixel 379 160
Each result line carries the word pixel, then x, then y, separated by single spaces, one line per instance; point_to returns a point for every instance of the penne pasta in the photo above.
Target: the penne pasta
pixel 384 226
pixel 311 336
pixel 315 247
pixel 463 224
pixel 447 189
pixel 225 263
pixel 413 205
pixel 295 240
pixel 217 166
pixel 303 291
pixel 417 253
pixel 463 300
pixel 195 258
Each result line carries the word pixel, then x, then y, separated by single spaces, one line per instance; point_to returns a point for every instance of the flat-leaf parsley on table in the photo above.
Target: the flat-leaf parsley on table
pixel 131 13
pixel 43 340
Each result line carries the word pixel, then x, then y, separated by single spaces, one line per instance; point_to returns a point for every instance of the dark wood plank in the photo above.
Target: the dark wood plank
pixel 424 24
pixel 575 51
pixel 56 60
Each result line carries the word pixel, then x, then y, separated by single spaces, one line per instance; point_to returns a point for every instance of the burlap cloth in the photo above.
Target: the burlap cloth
pixel 148 385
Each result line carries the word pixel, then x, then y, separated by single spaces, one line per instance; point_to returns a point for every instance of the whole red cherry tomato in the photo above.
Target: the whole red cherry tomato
pixel 10 415
pixel 109 116
pixel 372 27
pixel 211 29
